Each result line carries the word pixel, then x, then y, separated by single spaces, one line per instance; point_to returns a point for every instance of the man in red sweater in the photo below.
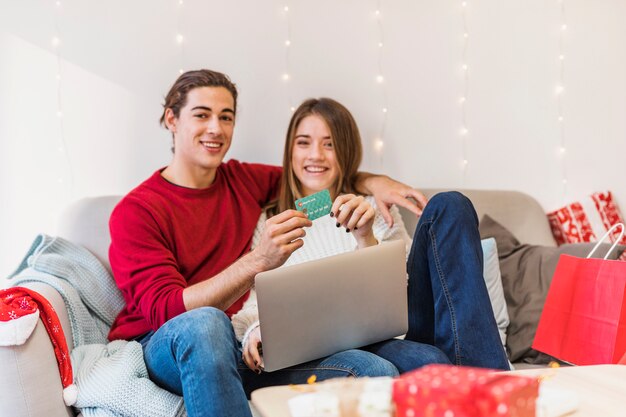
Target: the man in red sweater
pixel 180 253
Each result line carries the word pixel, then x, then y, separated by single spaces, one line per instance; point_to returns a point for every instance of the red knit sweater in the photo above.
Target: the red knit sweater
pixel 165 237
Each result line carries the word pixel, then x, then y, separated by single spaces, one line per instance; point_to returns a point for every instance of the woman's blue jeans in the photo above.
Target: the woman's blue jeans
pixel 197 356
pixel 450 315
pixel 448 301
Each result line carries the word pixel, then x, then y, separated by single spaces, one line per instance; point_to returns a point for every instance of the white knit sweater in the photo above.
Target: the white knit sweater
pixel 323 239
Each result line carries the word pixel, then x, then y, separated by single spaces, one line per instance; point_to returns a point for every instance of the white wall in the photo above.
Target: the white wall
pixel 118 59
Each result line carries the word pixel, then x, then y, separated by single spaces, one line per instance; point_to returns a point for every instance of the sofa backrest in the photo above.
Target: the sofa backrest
pixel 86 222
pixel 518 212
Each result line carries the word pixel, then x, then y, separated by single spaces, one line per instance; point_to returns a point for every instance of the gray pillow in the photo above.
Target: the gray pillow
pixel 493 280
pixel 526 276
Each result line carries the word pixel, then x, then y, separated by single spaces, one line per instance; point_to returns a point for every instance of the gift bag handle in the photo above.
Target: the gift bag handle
pixel 608 232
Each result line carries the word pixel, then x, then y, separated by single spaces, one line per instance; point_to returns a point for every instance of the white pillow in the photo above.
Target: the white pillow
pixel 493 280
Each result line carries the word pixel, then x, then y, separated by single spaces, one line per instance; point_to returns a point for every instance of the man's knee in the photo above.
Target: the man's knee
pixel 210 321
pixel 205 326
pixel 206 334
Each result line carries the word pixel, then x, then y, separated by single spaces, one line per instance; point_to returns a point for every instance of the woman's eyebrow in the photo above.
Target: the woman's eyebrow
pixel 304 135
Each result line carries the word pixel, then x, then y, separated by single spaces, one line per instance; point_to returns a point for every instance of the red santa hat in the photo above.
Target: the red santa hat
pixel 20 309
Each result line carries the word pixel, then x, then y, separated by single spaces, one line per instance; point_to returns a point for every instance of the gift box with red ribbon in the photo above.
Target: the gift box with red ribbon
pixel 446 391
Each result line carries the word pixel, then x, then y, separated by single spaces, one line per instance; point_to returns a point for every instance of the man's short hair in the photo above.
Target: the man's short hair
pixel 176 98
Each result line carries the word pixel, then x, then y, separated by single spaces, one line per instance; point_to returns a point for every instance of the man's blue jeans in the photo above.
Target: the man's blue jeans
pixel 197 356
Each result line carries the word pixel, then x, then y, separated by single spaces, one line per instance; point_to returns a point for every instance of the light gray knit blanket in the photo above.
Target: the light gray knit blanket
pixel 112 378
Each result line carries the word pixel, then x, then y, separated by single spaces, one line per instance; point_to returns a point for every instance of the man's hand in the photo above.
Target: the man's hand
pixel 252 355
pixel 281 236
pixel 388 192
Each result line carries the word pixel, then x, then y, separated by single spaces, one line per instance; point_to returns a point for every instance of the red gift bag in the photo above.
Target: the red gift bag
pixel 584 317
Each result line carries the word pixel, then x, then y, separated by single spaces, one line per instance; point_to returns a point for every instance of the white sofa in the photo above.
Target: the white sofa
pixel 29 383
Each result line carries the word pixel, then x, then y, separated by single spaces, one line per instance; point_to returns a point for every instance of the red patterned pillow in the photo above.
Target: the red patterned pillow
pixel 586 220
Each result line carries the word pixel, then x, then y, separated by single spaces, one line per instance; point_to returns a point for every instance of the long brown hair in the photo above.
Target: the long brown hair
pixel 346 144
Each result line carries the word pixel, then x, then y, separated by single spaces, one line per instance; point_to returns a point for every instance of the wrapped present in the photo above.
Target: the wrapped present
pixel 314 404
pixel 345 397
pixel 586 220
pixel 446 391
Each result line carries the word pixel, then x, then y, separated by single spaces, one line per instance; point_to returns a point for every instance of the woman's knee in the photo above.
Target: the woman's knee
pixel 407 355
pixel 431 355
pixel 451 204
pixel 359 363
pixel 448 199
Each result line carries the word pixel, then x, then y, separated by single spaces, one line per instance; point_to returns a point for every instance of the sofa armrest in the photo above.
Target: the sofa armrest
pixel 30 383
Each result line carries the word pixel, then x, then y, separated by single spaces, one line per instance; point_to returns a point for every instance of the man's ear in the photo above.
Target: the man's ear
pixel 170 120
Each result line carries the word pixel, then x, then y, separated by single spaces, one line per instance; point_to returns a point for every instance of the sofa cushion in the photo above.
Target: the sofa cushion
pixel 493 281
pixel 86 223
pixel 526 275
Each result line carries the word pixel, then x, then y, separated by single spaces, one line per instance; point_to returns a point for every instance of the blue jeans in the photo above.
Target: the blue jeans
pixel 407 355
pixel 197 356
pixel 448 301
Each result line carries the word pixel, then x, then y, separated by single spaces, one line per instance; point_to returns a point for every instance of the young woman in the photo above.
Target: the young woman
pixel 450 316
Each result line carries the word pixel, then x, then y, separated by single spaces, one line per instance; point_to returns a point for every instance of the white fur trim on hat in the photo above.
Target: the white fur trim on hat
pixel 16 332
pixel 70 394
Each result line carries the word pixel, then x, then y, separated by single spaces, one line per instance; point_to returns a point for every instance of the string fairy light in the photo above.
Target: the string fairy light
pixel 62 147
pixel 464 131
pixel 379 143
pixel 180 39
pixel 559 91
pixel 286 77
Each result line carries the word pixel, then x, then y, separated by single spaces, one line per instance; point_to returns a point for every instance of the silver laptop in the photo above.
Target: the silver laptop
pixel 314 309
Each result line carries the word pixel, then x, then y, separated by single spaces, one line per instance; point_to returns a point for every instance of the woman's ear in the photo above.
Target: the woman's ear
pixel 170 120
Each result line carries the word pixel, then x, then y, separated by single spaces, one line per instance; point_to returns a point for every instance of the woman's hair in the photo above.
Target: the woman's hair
pixel 346 141
pixel 176 98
